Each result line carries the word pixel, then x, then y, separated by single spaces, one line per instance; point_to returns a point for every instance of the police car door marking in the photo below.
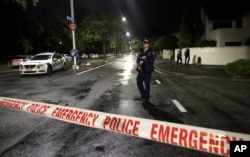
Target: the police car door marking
pixel 56 62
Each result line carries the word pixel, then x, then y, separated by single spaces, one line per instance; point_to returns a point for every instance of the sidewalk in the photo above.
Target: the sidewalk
pixel 170 67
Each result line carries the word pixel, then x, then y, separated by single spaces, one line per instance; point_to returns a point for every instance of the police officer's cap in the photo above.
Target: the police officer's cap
pixel 146 41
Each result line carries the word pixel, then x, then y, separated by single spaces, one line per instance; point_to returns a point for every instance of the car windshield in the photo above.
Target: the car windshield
pixel 41 57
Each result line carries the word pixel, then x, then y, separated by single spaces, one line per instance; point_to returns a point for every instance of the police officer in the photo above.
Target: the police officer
pixel 145 67
pixel 179 57
pixel 187 56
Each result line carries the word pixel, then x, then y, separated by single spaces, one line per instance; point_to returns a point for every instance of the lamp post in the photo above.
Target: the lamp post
pixel 115 41
pixel 75 66
pixel 128 45
pixel 124 20
pixel 127 33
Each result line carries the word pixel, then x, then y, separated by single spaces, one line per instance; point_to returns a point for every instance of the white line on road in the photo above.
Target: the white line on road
pixel 158 71
pixel 93 68
pixel 179 106
pixel 161 72
pixel 157 81
pixel 7 75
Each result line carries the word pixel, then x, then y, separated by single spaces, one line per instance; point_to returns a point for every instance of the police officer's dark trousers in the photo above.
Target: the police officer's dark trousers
pixel 143 84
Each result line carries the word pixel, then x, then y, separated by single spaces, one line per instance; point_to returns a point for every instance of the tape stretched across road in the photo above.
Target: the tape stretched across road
pixel 197 138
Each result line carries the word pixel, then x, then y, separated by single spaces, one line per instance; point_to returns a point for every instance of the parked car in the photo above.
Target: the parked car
pixel 68 57
pixel 43 63
pixel 84 56
pixel 16 61
pixel 92 55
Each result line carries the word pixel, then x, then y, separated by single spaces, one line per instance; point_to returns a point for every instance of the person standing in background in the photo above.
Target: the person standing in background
pixel 179 57
pixel 187 56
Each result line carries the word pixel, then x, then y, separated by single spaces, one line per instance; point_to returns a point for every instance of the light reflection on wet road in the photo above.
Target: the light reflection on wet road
pixel 126 74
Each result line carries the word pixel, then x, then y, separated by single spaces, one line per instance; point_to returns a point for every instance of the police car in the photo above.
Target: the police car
pixel 43 63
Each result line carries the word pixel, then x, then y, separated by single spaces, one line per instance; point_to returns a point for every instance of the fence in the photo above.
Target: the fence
pixel 216 55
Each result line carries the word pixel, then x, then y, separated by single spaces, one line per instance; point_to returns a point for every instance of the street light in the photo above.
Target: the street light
pixel 127 44
pixel 128 34
pixel 124 19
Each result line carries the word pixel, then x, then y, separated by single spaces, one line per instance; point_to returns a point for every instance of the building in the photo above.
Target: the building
pixel 227 23
pixel 230 30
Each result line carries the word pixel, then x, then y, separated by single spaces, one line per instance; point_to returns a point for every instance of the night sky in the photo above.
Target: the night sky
pixel 148 17
pixel 158 17
pixel 145 18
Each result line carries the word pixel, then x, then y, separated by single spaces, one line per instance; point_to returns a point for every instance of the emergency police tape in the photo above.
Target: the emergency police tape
pixel 197 138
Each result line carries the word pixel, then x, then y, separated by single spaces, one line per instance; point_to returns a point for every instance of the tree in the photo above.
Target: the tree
pixel 136 44
pixel 40 28
pixel 116 34
pixel 24 3
pixel 51 27
pixel 166 42
pixel 26 44
pixel 185 37
pixel 206 43
pixel 88 31
pixel 100 27
pixel 191 28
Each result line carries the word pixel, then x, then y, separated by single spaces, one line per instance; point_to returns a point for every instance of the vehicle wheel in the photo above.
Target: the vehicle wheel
pixel 49 70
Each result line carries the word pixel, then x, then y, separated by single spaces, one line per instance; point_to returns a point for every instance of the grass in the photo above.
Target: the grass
pixel 239 67
pixel 4 65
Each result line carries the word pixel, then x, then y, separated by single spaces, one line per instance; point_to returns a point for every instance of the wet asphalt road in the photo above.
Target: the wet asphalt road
pixel 211 102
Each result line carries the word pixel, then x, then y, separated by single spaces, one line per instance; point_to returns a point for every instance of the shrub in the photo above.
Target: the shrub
pixel 207 43
pixel 239 67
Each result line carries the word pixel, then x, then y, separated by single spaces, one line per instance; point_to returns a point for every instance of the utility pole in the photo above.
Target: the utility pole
pixel 75 66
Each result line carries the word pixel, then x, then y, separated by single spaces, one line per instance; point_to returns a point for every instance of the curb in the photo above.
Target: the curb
pixel 237 76
pixel 170 72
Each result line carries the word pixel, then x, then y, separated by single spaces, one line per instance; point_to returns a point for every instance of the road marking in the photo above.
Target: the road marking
pixel 179 106
pixel 157 81
pixel 93 68
pixel 237 79
pixel 158 71
pixel 7 75
pixel 196 76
